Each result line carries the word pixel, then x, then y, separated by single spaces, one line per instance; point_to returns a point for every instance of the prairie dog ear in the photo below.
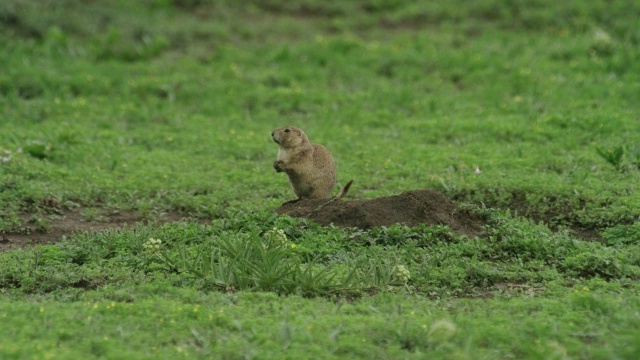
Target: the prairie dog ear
pixel 294 130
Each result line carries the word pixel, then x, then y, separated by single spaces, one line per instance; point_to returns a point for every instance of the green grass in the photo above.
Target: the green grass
pixel 183 324
pixel 168 105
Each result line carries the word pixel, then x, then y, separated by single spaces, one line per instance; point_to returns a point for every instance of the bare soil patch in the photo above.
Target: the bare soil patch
pixel 410 208
pixel 51 228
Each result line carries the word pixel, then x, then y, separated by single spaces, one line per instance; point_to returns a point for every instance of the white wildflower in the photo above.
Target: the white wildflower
pixel 402 274
pixel 441 331
pixel 276 236
pixel 152 245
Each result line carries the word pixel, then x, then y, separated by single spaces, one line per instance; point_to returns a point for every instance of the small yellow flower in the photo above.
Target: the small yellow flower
pixel 41 310
pixel 293 246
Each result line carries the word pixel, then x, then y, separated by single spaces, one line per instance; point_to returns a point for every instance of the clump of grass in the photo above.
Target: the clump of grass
pixel 622 235
pixel 623 157
pixel 42 223
pixel 613 157
pixel 92 214
pixel 240 262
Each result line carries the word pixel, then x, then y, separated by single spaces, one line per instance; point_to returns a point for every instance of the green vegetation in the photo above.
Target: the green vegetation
pixel 166 106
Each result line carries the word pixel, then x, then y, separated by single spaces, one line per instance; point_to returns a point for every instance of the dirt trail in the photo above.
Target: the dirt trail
pixel 51 228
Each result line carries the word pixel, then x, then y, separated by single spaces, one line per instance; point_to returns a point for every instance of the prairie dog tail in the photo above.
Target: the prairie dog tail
pixel 345 189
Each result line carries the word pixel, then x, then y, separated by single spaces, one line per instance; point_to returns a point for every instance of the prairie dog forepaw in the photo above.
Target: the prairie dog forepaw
pixel 278 165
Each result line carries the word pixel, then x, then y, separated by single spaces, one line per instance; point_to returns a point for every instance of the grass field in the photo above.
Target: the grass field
pixel 525 113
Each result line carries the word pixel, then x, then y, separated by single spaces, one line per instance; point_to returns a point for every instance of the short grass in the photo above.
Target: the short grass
pixel 168 105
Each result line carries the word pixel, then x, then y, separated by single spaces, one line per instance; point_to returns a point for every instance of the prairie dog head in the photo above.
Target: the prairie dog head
pixel 289 137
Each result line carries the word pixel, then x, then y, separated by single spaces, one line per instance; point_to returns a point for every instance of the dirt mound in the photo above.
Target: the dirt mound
pixel 410 208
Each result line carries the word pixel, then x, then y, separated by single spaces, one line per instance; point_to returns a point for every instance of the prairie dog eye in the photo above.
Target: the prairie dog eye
pixel 287 130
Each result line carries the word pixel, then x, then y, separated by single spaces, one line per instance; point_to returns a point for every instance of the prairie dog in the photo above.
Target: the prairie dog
pixel 310 167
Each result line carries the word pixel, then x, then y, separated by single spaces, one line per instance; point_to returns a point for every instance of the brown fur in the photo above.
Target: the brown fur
pixel 310 167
